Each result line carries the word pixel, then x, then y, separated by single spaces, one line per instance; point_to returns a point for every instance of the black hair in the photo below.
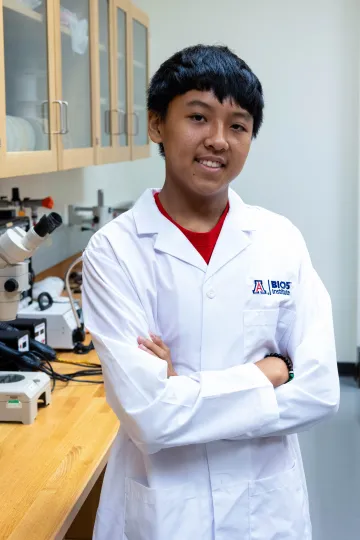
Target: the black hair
pixel 206 68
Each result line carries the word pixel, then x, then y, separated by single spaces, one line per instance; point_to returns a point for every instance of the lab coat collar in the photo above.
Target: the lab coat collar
pixel 233 239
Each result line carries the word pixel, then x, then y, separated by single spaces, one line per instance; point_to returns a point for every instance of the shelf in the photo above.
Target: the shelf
pixel 138 64
pixel 105 101
pixel 103 48
pixel 139 108
pixel 22 9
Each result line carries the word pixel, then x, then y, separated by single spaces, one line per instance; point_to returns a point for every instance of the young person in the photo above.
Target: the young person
pixel 214 331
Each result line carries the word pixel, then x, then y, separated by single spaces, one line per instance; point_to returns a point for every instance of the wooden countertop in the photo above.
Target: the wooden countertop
pixel 47 469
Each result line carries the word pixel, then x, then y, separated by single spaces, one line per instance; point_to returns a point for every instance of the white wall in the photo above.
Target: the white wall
pixel 305 162
pixel 121 182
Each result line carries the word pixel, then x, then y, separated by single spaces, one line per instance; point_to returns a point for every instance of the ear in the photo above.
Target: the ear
pixel 155 125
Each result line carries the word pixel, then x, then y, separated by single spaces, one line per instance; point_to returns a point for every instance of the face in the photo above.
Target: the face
pixel 206 142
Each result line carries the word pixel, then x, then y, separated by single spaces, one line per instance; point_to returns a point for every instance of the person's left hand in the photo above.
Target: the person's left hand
pixel 157 347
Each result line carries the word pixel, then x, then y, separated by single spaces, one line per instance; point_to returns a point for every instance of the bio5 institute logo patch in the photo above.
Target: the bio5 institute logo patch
pixel 272 287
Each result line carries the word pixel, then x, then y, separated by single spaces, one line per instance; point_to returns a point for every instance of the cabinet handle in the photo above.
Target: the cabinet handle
pixel 43 104
pixel 137 125
pixel 119 112
pixel 64 106
pixel 107 122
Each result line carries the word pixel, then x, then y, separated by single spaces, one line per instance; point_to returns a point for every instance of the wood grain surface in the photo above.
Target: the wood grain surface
pixel 48 469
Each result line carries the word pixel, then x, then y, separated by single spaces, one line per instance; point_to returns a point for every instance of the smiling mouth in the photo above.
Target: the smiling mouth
pixel 215 165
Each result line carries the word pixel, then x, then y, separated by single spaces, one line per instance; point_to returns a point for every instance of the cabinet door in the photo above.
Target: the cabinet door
pixel 28 128
pixel 139 83
pixel 121 66
pixel 74 33
pixel 104 91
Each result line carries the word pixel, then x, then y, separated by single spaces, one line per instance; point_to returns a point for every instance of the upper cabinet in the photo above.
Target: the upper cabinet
pixel 73 47
pixel 28 136
pixel 73 79
pixel 104 82
pixel 139 32
pixel 113 81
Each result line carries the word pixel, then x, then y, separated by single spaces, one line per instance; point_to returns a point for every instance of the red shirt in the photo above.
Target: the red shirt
pixel 203 242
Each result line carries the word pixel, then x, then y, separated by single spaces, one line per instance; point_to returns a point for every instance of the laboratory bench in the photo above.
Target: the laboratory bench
pixel 51 471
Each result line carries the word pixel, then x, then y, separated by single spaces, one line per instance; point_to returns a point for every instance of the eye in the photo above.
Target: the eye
pixel 197 118
pixel 238 127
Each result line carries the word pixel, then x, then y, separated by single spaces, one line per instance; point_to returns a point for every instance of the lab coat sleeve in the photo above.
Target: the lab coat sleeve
pixel 314 393
pixel 156 411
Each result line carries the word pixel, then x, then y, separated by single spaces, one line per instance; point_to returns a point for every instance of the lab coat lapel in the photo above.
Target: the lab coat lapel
pixel 234 236
pixel 172 241
pixel 169 239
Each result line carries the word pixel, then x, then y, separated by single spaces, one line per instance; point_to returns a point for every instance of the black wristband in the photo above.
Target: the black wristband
pixel 288 363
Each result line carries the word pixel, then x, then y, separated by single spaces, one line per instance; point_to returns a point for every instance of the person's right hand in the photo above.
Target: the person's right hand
pixel 274 369
pixel 157 347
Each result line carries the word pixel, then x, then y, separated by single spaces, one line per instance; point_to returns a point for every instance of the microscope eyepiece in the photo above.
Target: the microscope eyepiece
pixel 48 224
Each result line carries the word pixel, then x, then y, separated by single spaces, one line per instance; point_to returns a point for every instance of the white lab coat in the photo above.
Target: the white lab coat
pixel 211 454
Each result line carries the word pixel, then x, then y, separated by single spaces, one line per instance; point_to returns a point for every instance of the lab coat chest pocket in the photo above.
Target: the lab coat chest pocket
pixel 278 507
pixel 266 331
pixel 160 514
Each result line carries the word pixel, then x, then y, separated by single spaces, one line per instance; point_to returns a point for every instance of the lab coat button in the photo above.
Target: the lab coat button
pixel 211 293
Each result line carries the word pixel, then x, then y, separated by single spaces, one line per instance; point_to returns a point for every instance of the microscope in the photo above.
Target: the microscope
pixel 20 391
pixel 92 218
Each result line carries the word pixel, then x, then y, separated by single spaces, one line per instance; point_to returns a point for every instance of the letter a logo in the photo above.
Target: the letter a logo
pixel 258 287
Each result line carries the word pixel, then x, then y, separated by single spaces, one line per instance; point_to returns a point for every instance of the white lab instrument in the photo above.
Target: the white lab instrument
pixel 52 285
pixel 213 452
pixel 95 217
pixel 20 393
pixel 12 221
pixel 60 322
pixel 16 247
pixel 64 326
pixel 18 207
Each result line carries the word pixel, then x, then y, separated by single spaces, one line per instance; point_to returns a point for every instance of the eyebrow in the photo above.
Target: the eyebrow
pixel 244 115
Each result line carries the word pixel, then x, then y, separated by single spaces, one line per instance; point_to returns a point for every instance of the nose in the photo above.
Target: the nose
pixel 216 138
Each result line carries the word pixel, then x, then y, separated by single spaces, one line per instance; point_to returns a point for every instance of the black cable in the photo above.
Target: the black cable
pixel 89 365
pixel 43 359
pixel 37 360
pixel 35 356
pixel 5 362
pixel 64 377
pixel 80 348
pixel 85 373
pixel 52 374
pixel 71 379
pixel 94 369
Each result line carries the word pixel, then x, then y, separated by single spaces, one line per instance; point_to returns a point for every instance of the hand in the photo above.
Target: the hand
pixel 274 369
pixel 157 347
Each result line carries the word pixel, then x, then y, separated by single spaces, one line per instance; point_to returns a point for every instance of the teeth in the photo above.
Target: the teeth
pixel 213 164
